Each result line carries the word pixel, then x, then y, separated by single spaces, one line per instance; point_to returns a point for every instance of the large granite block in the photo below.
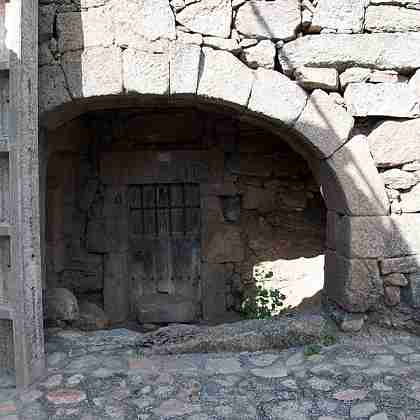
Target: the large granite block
pixel 382 99
pixel 341 16
pixel 409 264
pixel 325 124
pixel 184 68
pixel 208 17
pixel 378 236
pixel 276 96
pixel 390 18
pixel 355 284
pixel 400 51
pixel 269 19
pixel 351 183
pixel 224 77
pixel 145 72
pixel 395 142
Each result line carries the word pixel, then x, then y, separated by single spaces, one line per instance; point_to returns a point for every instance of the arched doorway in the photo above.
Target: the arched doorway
pixel 163 214
pixel 349 181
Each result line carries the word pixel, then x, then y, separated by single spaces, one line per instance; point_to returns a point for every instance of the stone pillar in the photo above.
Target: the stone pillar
pixel 24 229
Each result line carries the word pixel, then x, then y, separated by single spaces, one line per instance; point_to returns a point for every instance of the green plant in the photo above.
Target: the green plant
pixel 138 353
pixel 328 340
pixel 263 303
pixel 312 349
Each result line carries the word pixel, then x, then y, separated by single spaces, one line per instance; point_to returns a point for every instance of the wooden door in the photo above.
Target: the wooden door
pixel 165 241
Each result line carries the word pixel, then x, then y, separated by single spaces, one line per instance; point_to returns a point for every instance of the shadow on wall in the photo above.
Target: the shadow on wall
pixel 380 239
pixel 361 232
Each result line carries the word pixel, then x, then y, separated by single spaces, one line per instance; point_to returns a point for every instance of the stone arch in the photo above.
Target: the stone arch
pixel 316 127
pixel 321 128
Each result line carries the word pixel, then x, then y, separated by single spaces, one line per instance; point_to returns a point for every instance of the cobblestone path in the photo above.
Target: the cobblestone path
pixel 366 377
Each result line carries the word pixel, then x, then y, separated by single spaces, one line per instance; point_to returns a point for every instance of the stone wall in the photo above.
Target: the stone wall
pixel 343 74
pixel 259 202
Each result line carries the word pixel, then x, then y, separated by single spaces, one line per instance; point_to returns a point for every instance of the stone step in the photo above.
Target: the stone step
pixel 160 307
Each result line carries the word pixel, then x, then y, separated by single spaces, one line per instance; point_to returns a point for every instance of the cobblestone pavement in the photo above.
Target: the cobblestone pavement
pixel 364 377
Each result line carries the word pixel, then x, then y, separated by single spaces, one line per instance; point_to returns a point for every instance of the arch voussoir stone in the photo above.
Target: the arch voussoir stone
pixel 276 96
pixel 100 72
pixel 223 77
pixel 145 73
pixel 184 67
pixel 351 183
pixel 325 124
